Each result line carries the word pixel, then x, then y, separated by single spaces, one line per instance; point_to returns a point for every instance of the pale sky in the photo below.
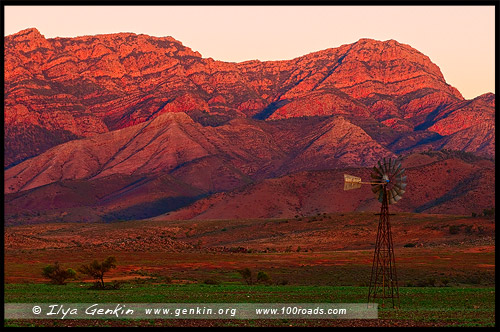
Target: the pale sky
pixel 459 39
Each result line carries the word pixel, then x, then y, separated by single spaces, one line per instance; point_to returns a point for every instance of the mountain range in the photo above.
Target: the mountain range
pixel 127 126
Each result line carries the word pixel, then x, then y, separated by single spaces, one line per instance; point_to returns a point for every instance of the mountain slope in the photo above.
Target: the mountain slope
pixel 441 183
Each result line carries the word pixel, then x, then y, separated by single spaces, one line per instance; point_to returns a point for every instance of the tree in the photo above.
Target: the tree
pixel 57 275
pixel 96 270
pixel 247 275
pixel 489 212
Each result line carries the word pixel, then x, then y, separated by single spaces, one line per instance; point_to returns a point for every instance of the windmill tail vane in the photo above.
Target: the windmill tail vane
pixel 351 182
pixel 354 182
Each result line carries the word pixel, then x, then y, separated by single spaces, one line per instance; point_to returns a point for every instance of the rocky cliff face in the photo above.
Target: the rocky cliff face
pixel 67 88
pixel 122 115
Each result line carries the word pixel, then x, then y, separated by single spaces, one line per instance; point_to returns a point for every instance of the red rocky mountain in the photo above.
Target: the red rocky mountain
pixel 127 114
pixel 60 89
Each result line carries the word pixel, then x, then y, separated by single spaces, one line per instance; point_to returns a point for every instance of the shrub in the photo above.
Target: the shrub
pixel 282 282
pixel 57 275
pixel 410 245
pixel 489 212
pixel 263 277
pixel 454 229
pixel 165 279
pixel 211 281
pixel 431 281
pixel 116 284
pixel 473 279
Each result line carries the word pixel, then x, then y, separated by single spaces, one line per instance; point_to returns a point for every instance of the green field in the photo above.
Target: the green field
pixel 420 306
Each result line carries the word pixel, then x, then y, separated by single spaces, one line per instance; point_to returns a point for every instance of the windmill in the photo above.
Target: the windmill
pixel 388 183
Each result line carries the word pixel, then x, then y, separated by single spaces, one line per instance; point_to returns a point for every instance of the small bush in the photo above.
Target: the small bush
pixel 116 284
pixel 454 229
pixel 211 281
pixel 57 275
pixel 282 282
pixel 263 277
pixel 166 279
pixel 410 245
pixel 473 279
pixel 489 212
pixel 429 282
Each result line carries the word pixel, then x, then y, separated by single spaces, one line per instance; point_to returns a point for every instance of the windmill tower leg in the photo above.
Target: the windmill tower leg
pixel 383 280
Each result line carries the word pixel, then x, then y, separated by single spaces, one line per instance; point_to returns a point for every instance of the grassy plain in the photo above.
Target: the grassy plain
pixel 445 265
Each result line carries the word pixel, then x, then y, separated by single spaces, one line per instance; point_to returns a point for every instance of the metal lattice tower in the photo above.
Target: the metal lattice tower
pixel 388 184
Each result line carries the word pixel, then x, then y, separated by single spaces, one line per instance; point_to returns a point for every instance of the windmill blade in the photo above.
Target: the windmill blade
pixel 397 168
pixel 395 195
pixel 400 172
pixel 384 167
pixel 377 170
pixel 392 164
pixel 388 168
pixel 400 185
pixel 381 170
pixel 402 179
pixel 398 190
pixel 401 192
pixel 381 196
pixel 390 200
pixel 387 163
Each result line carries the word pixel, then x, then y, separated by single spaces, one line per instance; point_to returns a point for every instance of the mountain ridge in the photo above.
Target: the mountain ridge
pixel 83 86
pixel 123 126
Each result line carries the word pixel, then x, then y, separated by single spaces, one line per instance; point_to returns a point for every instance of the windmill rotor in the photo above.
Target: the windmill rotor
pixel 388 175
